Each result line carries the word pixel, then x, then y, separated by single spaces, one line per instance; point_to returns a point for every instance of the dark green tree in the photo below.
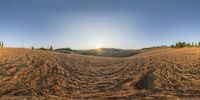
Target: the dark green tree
pixel 184 44
pixel 188 45
pixel 179 45
pixel 2 45
pixel 42 48
pixel 192 44
pixel 51 47
pixel 172 45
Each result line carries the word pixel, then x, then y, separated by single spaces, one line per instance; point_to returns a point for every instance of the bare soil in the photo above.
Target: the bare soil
pixel 161 73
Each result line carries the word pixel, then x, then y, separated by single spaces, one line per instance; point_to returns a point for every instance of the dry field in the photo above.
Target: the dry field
pixel 162 73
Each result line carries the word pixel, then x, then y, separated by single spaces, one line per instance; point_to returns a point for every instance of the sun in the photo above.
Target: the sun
pixel 98 46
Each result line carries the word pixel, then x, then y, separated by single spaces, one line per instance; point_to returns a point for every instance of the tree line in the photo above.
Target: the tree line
pixel 1 44
pixel 184 44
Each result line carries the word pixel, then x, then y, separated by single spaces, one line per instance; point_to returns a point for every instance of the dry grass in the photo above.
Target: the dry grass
pixel 162 73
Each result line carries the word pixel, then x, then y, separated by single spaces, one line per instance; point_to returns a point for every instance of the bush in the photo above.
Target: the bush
pixel 42 48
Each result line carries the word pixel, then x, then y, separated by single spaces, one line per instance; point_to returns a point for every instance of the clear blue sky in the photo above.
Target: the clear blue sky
pixel 85 24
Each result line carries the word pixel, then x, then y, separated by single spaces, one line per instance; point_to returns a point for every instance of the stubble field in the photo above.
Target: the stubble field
pixel 161 73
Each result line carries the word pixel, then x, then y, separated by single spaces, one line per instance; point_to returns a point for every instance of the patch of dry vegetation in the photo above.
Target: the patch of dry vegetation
pixel 162 73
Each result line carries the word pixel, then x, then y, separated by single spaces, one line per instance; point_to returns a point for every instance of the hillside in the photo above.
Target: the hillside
pixel 161 73
pixel 103 52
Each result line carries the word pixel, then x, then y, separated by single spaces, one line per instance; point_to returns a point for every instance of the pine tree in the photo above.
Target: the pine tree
pixel 199 44
pixel 32 47
pixel 192 44
pixel 2 45
pixel 172 45
pixel 184 44
pixel 51 47
pixel 178 44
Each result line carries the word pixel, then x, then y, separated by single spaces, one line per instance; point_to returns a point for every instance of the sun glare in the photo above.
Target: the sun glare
pixel 98 46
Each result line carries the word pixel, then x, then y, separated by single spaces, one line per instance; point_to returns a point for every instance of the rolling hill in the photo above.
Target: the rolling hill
pixel 104 52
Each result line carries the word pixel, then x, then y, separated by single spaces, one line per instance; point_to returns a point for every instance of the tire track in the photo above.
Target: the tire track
pixel 17 59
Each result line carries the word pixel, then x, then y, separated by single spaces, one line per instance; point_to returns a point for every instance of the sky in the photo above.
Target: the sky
pixel 87 24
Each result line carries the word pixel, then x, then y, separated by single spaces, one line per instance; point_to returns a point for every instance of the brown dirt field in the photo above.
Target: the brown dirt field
pixel 161 73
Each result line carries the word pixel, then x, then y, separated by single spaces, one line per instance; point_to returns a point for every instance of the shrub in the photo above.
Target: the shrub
pixel 42 48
